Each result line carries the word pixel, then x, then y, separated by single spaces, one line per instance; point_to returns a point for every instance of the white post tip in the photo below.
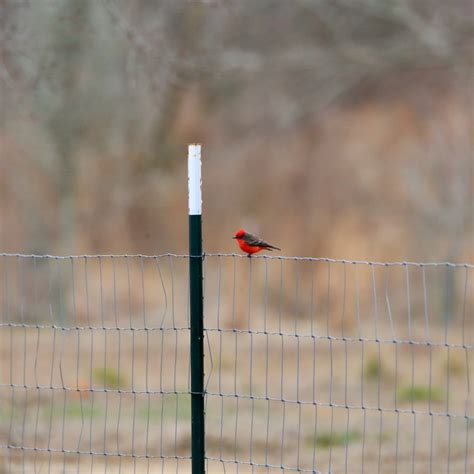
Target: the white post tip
pixel 194 179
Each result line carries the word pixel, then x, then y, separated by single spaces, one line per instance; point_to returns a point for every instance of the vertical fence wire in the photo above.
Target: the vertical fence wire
pixel 312 365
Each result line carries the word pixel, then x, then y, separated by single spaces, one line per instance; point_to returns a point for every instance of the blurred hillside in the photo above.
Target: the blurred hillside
pixel 335 128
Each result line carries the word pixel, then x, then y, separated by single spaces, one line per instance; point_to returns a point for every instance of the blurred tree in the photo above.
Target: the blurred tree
pixel 66 119
pixel 107 84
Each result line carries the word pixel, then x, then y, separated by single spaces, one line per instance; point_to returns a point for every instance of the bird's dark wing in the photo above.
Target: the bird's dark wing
pixel 251 239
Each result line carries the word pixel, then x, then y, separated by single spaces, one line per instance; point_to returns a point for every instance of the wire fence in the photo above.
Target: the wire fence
pixel 312 365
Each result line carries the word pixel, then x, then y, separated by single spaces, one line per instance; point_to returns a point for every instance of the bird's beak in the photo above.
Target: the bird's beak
pixel 234 237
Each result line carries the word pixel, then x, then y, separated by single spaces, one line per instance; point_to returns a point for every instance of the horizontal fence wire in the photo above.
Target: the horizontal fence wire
pixel 312 364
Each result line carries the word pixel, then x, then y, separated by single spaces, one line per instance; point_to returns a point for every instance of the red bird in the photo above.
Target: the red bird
pixel 250 243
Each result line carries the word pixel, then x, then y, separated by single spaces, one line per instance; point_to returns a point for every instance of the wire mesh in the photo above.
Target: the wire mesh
pixel 312 365
pixel 95 364
pixel 320 365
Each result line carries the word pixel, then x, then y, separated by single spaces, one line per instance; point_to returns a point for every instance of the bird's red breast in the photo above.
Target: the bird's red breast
pixel 248 248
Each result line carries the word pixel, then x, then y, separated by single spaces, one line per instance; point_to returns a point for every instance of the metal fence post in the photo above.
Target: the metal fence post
pixel 196 308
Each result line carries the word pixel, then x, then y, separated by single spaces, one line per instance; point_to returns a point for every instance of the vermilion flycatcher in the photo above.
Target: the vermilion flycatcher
pixel 250 243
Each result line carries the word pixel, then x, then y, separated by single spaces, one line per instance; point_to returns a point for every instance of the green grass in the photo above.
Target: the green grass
pixel 455 365
pixel 109 378
pixel 336 438
pixel 9 412
pixel 420 393
pixel 153 412
pixel 172 403
pixel 75 410
pixel 373 369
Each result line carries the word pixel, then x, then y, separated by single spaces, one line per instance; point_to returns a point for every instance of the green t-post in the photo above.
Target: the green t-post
pixel 196 308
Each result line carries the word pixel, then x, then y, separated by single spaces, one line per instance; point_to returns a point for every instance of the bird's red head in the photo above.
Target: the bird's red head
pixel 239 234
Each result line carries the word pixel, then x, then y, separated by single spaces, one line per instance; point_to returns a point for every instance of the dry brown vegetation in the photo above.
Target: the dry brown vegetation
pixel 340 129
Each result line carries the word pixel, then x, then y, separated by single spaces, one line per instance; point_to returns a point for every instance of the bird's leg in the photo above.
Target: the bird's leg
pixel 249 255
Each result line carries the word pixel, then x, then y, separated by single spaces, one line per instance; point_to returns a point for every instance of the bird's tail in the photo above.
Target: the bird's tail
pixel 271 247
